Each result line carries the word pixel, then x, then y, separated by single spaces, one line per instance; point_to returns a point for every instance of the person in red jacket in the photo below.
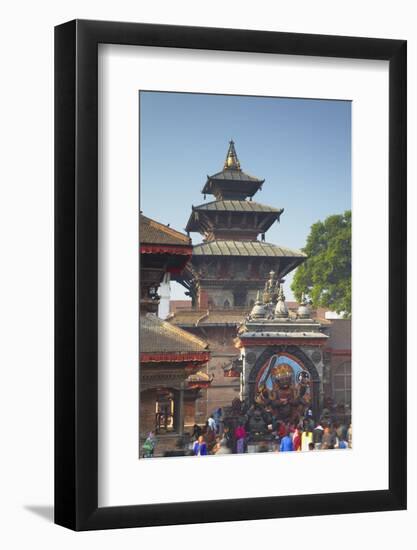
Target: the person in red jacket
pixel 240 435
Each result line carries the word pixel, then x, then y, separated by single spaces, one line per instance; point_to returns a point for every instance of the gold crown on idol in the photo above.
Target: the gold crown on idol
pixel 282 371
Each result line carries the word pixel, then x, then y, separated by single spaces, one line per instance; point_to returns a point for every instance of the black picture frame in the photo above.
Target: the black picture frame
pixel 76 271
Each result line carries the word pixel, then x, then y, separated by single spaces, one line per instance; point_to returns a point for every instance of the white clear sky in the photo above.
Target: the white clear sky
pixel 301 147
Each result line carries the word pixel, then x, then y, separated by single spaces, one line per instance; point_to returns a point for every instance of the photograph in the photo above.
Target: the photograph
pixel 208 237
pixel 245 275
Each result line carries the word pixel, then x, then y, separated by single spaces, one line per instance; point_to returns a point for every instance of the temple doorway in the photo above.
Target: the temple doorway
pixel 164 411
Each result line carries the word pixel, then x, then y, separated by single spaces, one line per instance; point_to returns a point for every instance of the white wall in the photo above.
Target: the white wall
pixel 26 302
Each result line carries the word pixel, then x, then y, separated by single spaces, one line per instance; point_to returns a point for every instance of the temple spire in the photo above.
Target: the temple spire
pixel 281 310
pixel 303 311
pixel 232 183
pixel 231 162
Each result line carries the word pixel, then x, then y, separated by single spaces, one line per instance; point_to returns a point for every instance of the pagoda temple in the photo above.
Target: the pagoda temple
pixel 228 269
pixel 231 264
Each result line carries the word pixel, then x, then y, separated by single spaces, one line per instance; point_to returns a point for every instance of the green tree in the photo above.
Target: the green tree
pixel 325 277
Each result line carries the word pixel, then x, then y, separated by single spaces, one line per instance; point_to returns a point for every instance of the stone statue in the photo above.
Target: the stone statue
pixel 271 289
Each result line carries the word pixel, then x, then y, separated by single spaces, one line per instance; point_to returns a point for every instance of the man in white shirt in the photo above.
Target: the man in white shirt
pixel 211 423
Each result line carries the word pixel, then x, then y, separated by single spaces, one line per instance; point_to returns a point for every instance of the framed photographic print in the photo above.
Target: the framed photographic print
pixel 230 275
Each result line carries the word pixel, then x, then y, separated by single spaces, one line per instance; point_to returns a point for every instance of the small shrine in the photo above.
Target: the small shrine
pixel 280 366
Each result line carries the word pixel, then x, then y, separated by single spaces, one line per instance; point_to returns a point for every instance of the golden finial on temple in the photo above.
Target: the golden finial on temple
pixel 231 162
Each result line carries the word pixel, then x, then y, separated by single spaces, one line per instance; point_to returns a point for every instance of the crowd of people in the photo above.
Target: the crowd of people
pixel 217 438
pixel 306 436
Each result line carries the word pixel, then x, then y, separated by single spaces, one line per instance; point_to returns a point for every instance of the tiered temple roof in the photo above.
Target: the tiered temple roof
pixel 232 182
pixel 221 214
pixel 232 218
pixel 246 248
pixel 231 259
pixel 237 206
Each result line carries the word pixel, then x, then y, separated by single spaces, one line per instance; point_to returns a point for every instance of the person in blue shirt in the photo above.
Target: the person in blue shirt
pixel 286 443
pixel 200 447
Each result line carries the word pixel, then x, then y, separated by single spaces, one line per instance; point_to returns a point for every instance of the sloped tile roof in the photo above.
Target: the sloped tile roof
pixel 158 336
pixel 186 316
pixel 153 232
pixel 226 318
pixel 237 206
pixel 193 318
pixel 245 248
pixel 234 175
